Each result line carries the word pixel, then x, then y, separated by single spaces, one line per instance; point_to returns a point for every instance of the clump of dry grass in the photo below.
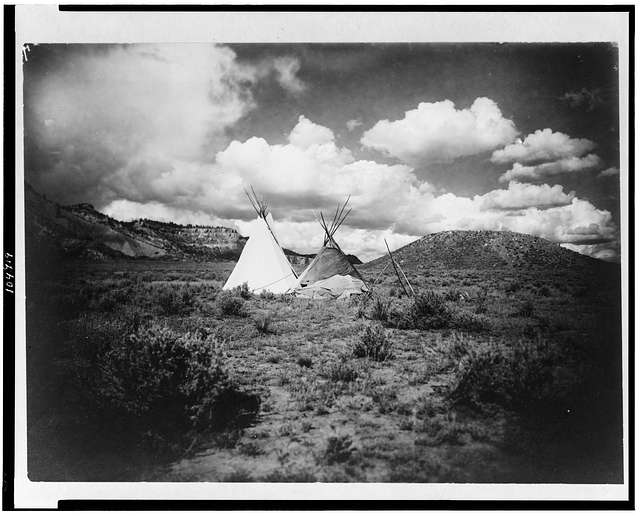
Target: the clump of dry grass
pixel 262 323
pixel 373 344
pixel 380 309
pixel 341 371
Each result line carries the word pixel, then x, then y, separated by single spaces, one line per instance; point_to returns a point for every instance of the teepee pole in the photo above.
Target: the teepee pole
pixel 393 262
pixel 407 280
pixel 253 204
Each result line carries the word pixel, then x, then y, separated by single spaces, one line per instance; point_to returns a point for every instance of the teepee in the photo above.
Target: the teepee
pixel 262 264
pixel 330 273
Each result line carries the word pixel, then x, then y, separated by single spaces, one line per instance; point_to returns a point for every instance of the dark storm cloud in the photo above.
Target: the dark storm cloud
pixel 118 121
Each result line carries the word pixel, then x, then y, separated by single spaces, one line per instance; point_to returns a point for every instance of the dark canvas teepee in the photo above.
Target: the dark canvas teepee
pixel 330 260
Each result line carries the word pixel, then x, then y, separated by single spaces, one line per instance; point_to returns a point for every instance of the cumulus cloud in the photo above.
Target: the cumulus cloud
pixel 545 170
pixel 312 173
pixel 120 120
pixel 611 171
pixel 609 251
pixel 524 195
pixel 438 132
pixel 543 145
pixel 306 133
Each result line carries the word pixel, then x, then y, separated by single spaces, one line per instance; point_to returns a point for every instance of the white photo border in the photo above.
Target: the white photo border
pixel 47 24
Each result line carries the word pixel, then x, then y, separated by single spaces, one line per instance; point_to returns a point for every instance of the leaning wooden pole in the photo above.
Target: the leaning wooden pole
pixel 395 268
pixel 407 280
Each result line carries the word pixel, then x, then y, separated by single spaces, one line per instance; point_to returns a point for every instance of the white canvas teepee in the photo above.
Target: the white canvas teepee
pixel 262 264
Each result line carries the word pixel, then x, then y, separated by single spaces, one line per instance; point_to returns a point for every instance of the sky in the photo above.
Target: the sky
pixel 423 137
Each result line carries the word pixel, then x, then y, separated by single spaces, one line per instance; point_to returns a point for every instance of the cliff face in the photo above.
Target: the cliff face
pixel 82 231
pixel 193 241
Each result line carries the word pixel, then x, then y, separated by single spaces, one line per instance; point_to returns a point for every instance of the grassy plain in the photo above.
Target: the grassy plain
pixel 494 375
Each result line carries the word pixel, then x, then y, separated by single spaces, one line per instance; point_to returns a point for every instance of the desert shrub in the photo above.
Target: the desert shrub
pixel 90 337
pixel 427 310
pixel 229 304
pixel 267 295
pixel 373 344
pixel 339 449
pixel 156 384
pixel 463 320
pixel 341 371
pixel 242 291
pixel 262 322
pixel 380 309
pixel 172 300
pixel 429 305
pixel 304 361
pixel 525 376
pixel 206 308
pixel 453 295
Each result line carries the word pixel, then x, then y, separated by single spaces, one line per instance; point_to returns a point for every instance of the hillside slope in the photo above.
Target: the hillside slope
pixel 482 250
pixel 83 232
pixel 514 253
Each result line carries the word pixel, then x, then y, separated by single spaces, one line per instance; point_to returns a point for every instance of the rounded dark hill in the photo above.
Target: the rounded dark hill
pixel 482 250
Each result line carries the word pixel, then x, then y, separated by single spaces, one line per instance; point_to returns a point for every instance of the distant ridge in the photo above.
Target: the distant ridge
pixel 81 231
